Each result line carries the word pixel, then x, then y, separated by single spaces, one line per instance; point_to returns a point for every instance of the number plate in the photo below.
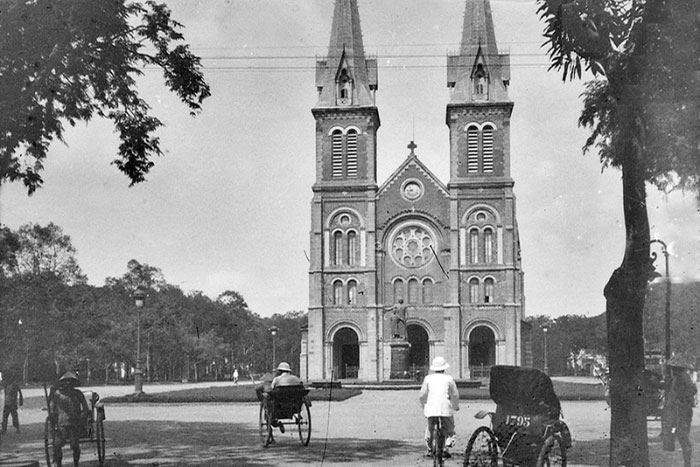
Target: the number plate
pixel 519 420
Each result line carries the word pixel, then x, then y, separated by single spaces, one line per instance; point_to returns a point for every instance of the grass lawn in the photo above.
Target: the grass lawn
pixel 566 391
pixel 226 394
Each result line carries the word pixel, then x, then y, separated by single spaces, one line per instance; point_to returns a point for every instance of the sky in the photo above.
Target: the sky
pixel 228 206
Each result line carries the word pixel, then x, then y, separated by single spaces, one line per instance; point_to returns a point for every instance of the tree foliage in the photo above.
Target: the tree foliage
pixel 36 250
pixel 49 324
pixel 65 61
pixel 647 54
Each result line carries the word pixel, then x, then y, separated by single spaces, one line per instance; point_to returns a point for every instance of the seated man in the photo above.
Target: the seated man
pixel 70 412
pixel 285 377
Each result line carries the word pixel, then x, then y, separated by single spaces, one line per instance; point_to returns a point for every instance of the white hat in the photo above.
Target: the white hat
pixel 284 366
pixel 439 364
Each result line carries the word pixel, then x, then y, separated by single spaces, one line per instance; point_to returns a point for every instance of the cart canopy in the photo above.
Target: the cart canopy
pixel 524 390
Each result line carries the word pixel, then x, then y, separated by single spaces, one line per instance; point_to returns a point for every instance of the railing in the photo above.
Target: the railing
pixel 481 371
pixel 351 371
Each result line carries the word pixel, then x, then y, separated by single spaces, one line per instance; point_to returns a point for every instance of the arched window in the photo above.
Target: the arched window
pixel 487 149
pixel 344 88
pixel 338 248
pixel 337 154
pixel 352 292
pixel 413 291
pixel 474 290
pixel 351 153
pixel 474 246
pixel 427 290
pixel 352 248
pixel 488 245
pixel 472 149
pixel 488 290
pixel 337 292
pixel 398 290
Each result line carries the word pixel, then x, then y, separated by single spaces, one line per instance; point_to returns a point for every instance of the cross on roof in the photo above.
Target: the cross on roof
pixel 412 146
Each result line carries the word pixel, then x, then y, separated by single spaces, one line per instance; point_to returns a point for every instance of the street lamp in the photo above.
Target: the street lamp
pixel 545 328
pixel 664 251
pixel 139 300
pixel 273 330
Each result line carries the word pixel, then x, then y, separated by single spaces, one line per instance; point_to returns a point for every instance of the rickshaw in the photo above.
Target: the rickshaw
pixel 526 429
pixel 93 431
pixel 285 405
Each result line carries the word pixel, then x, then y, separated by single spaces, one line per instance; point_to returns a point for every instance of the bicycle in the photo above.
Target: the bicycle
pixel 437 440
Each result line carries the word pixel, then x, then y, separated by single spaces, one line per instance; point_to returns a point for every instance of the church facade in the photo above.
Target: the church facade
pixel 450 251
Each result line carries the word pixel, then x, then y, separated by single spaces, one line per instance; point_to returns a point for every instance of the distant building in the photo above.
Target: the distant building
pixel 450 251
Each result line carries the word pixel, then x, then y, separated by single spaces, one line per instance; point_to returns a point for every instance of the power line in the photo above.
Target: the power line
pixel 309 57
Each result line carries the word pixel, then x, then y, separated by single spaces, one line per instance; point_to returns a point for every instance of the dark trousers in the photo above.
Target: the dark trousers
pixel 7 411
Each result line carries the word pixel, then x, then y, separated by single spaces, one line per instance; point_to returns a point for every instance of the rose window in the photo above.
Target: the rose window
pixel 412 247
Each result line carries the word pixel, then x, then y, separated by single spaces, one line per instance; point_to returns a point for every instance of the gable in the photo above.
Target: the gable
pixel 412 189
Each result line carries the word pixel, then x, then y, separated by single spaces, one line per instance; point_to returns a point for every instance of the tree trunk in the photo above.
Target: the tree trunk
pixel 625 293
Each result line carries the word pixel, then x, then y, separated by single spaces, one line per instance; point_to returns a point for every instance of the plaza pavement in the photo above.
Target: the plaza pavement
pixel 377 428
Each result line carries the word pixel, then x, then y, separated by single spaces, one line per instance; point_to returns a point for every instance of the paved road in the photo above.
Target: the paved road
pixel 377 428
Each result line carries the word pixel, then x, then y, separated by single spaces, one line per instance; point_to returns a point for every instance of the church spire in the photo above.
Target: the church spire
pixel 345 77
pixel 478 73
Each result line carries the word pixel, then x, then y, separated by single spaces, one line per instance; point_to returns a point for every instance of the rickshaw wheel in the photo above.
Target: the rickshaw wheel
pixel 265 425
pixel 553 453
pixel 481 449
pixel 49 442
pixel 100 438
pixel 303 422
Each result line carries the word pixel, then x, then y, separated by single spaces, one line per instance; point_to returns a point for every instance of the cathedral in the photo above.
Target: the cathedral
pixel 447 254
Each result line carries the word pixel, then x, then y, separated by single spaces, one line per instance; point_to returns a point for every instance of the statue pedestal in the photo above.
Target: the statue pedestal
pixel 400 358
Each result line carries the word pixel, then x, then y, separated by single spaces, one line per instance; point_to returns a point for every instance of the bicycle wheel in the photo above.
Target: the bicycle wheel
pixel 552 454
pixel 481 449
pixel 49 442
pixel 100 438
pixel 303 421
pixel 438 445
pixel 265 426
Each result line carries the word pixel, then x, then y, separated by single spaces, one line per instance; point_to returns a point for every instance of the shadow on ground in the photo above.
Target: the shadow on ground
pixel 168 443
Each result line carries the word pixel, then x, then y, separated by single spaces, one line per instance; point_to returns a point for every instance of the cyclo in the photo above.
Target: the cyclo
pixel 91 431
pixel 526 428
pixel 285 405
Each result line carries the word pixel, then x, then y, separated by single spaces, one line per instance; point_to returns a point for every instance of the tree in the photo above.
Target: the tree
pixel 64 61
pixel 35 250
pixel 648 68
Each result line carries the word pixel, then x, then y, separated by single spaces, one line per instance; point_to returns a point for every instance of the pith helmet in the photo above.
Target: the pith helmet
pixel 69 377
pixel 681 361
pixel 439 364
pixel 284 366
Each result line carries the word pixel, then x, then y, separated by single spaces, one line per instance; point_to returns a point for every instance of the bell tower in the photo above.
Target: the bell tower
pixel 342 273
pixel 486 274
pixel 346 116
pixel 478 114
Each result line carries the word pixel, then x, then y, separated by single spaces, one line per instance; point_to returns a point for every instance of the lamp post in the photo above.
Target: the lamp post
pixel 664 251
pixel 139 300
pixel 545 328
pixel 273 330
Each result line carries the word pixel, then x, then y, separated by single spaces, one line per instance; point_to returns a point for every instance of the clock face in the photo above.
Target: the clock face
pixel 412 190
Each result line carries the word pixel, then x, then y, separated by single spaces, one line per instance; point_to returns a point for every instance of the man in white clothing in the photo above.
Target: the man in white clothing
pixel 440 398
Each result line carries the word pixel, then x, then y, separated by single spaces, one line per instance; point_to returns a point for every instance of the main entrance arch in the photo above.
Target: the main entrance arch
pixel 482 350
pixel 346 354
pixel 419 353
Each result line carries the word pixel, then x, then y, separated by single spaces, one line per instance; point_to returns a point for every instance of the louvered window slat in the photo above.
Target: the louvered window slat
pixel 487 149
pixel 337 155
pixel 351 154
pixel 472 150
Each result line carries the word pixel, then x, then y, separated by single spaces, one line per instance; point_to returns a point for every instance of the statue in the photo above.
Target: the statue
pixel 397 320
